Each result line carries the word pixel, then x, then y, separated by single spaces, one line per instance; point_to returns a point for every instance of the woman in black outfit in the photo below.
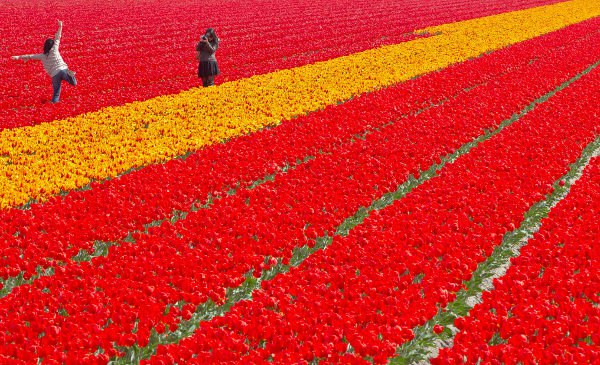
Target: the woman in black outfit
pixel 206 48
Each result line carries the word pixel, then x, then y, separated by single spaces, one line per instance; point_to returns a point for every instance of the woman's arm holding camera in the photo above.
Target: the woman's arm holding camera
pixel 211 48
pixel 201 44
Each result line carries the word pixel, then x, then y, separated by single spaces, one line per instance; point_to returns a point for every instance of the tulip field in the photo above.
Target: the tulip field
pixel 393 181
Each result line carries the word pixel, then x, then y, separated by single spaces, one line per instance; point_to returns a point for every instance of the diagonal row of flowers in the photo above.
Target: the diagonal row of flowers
pixel 546 308
pixel 439 331
pixel 41 161
pixel 358 300
pixel 252 44
pixel 556 317
pixel 51 233
pixel 212 249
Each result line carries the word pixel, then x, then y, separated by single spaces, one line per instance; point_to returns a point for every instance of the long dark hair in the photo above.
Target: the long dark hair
pixel 48 45
pixel 210 32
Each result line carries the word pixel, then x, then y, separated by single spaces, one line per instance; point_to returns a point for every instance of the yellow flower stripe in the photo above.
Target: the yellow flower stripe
pixel 40 161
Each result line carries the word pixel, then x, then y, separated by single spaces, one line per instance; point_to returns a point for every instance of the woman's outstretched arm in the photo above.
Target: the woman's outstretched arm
pixel 58 34
pixel 27 57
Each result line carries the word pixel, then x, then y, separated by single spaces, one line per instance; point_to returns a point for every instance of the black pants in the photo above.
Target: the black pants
pixel 208 81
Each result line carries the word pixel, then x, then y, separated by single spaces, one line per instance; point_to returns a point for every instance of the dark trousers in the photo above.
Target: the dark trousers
pixel 57 79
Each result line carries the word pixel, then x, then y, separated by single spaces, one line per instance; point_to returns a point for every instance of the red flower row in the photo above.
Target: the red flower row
pixel 124 52
pixel 87 306
pixel 367 291
pixel 545 309
pixel 60 228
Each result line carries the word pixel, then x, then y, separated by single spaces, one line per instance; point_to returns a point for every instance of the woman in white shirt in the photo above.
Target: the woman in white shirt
pixel 53 64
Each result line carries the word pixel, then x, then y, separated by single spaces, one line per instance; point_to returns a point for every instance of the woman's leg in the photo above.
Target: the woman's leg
pixel 210 81
pixel 56 85
pixel 205 81
pixel 70 77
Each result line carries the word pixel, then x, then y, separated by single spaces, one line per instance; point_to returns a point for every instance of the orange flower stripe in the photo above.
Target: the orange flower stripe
pixel 40 161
